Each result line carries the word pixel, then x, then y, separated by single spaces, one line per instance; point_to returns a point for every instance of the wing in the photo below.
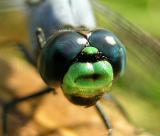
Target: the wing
pixel 138 90
pixel 9 5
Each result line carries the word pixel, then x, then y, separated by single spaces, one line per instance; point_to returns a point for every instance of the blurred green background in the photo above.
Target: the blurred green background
pixel 139 89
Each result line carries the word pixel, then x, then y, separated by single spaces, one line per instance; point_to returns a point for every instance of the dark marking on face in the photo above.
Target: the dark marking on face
pixel 84 101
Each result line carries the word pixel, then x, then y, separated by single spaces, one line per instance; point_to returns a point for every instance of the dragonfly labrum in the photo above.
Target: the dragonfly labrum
pixel 70 52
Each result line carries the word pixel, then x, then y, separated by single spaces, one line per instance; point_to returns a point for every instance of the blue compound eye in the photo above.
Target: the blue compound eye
pixel 107 43
pixel 58 54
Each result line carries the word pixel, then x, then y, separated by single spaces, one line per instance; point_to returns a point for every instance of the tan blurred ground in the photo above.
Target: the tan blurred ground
pixel 52 115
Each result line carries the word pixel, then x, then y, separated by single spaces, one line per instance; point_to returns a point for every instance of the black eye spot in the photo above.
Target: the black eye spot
pixel 110 46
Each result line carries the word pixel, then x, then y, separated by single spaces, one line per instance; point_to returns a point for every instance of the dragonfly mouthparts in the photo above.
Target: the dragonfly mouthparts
pixel 84 101
pixel 87 81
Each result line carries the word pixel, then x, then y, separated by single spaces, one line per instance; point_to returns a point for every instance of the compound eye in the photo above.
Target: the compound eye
pixel 59 53
pixel 107 43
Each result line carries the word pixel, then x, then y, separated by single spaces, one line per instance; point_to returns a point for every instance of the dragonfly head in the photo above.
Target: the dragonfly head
pixel 88 78
pixel 84 65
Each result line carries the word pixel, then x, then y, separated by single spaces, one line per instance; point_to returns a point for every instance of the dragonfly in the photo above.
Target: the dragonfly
pixel 44 35
pixel 70 52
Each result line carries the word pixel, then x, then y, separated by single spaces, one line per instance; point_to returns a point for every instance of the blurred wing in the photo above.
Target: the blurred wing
pixel 10 5
pixel 139 89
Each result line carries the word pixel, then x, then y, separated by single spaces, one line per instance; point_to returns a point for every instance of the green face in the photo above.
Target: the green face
pixel 87 81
